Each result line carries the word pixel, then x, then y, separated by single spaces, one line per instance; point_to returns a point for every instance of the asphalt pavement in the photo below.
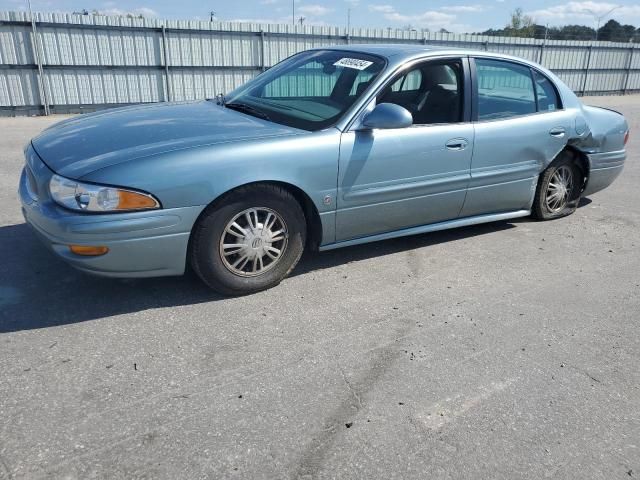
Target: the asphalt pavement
pixel 503 351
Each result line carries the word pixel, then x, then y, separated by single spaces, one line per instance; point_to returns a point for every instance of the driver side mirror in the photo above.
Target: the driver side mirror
pixel 387 115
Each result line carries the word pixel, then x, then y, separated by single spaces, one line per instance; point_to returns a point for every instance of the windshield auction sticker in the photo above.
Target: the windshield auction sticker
pixel 353 63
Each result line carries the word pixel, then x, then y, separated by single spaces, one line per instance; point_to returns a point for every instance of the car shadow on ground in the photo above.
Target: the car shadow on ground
pixel 37 290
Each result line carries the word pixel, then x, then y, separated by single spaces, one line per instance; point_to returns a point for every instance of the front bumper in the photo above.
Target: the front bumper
pixel 141 244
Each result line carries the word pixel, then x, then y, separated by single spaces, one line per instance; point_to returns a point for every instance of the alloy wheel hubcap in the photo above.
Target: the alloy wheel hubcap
pixel 253 241
pixel 559 189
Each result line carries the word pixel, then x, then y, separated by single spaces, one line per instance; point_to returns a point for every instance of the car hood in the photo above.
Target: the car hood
pixel 89 142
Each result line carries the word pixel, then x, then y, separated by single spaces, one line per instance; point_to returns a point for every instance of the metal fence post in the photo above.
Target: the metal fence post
pixel 263 64
pixel 628 74
pixel 36 47
pixel 586 70
pixel 167 90
pixel 540 56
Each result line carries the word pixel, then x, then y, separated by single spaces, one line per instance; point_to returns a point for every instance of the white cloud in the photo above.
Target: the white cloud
pixel 144 11
pixel 268 2
pixel 382 8
pixel 281 20
pixel 431 19
pixel 574 12
pixel 463 8
pixel 260 20
pixel 315 10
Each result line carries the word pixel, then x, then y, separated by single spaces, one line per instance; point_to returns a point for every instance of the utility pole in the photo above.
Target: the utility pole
pixel 348 19
pixel 293 11
pixel 601 17
pixel 212 15
pixel 38 54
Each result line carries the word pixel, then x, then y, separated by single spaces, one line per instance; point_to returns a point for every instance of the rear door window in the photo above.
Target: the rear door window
pixel 505 90
pixel 548 100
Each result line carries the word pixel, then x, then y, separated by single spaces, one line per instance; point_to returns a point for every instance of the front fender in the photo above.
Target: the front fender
pixel 199 175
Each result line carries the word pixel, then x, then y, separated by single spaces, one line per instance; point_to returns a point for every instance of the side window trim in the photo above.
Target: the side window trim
pixel 535 88
pixel 404 79
pixel 474 88
pixel 467 89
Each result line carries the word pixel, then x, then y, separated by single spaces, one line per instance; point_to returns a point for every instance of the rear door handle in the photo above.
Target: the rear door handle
pixel 557 132
pixel 457 144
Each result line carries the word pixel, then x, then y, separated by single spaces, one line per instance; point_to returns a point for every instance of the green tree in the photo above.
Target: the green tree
pixel 615 32
pixel 520 25
pixel 519 20
pixel 573 32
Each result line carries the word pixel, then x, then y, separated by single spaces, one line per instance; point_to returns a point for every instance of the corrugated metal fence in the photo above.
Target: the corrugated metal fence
pixel 67 63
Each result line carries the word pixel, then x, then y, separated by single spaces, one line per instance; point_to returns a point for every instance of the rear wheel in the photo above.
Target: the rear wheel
pixel 558 191
pixel 250 241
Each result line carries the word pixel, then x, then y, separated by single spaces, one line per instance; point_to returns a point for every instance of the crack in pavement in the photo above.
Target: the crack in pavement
pixel 312 458
pixel 353 391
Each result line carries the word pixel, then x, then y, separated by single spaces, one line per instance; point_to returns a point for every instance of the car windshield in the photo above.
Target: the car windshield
pixel 310 91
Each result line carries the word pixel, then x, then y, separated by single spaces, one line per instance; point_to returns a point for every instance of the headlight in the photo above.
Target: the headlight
pixel 97 198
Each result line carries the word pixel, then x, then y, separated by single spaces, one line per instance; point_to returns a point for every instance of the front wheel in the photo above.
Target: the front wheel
pixel 250 241
pixel 558 191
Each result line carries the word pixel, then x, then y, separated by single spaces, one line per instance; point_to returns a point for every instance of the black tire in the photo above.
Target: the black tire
pixel 542 207
pixel 206 255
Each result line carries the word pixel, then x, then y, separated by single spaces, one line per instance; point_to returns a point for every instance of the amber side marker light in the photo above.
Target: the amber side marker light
pixel 87 250
pixel 626 137
pixel 135 201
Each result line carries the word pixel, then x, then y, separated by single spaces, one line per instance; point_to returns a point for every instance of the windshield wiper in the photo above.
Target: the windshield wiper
pixel 243 107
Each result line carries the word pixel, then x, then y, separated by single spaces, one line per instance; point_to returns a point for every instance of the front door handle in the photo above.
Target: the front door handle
pixel 557 132
pixel 457 144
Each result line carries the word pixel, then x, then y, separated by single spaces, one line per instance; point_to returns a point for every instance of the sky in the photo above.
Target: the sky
pixel 456 16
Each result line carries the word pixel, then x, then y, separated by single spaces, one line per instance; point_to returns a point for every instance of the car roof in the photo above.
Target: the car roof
pixel 398 52
pixel 391 49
